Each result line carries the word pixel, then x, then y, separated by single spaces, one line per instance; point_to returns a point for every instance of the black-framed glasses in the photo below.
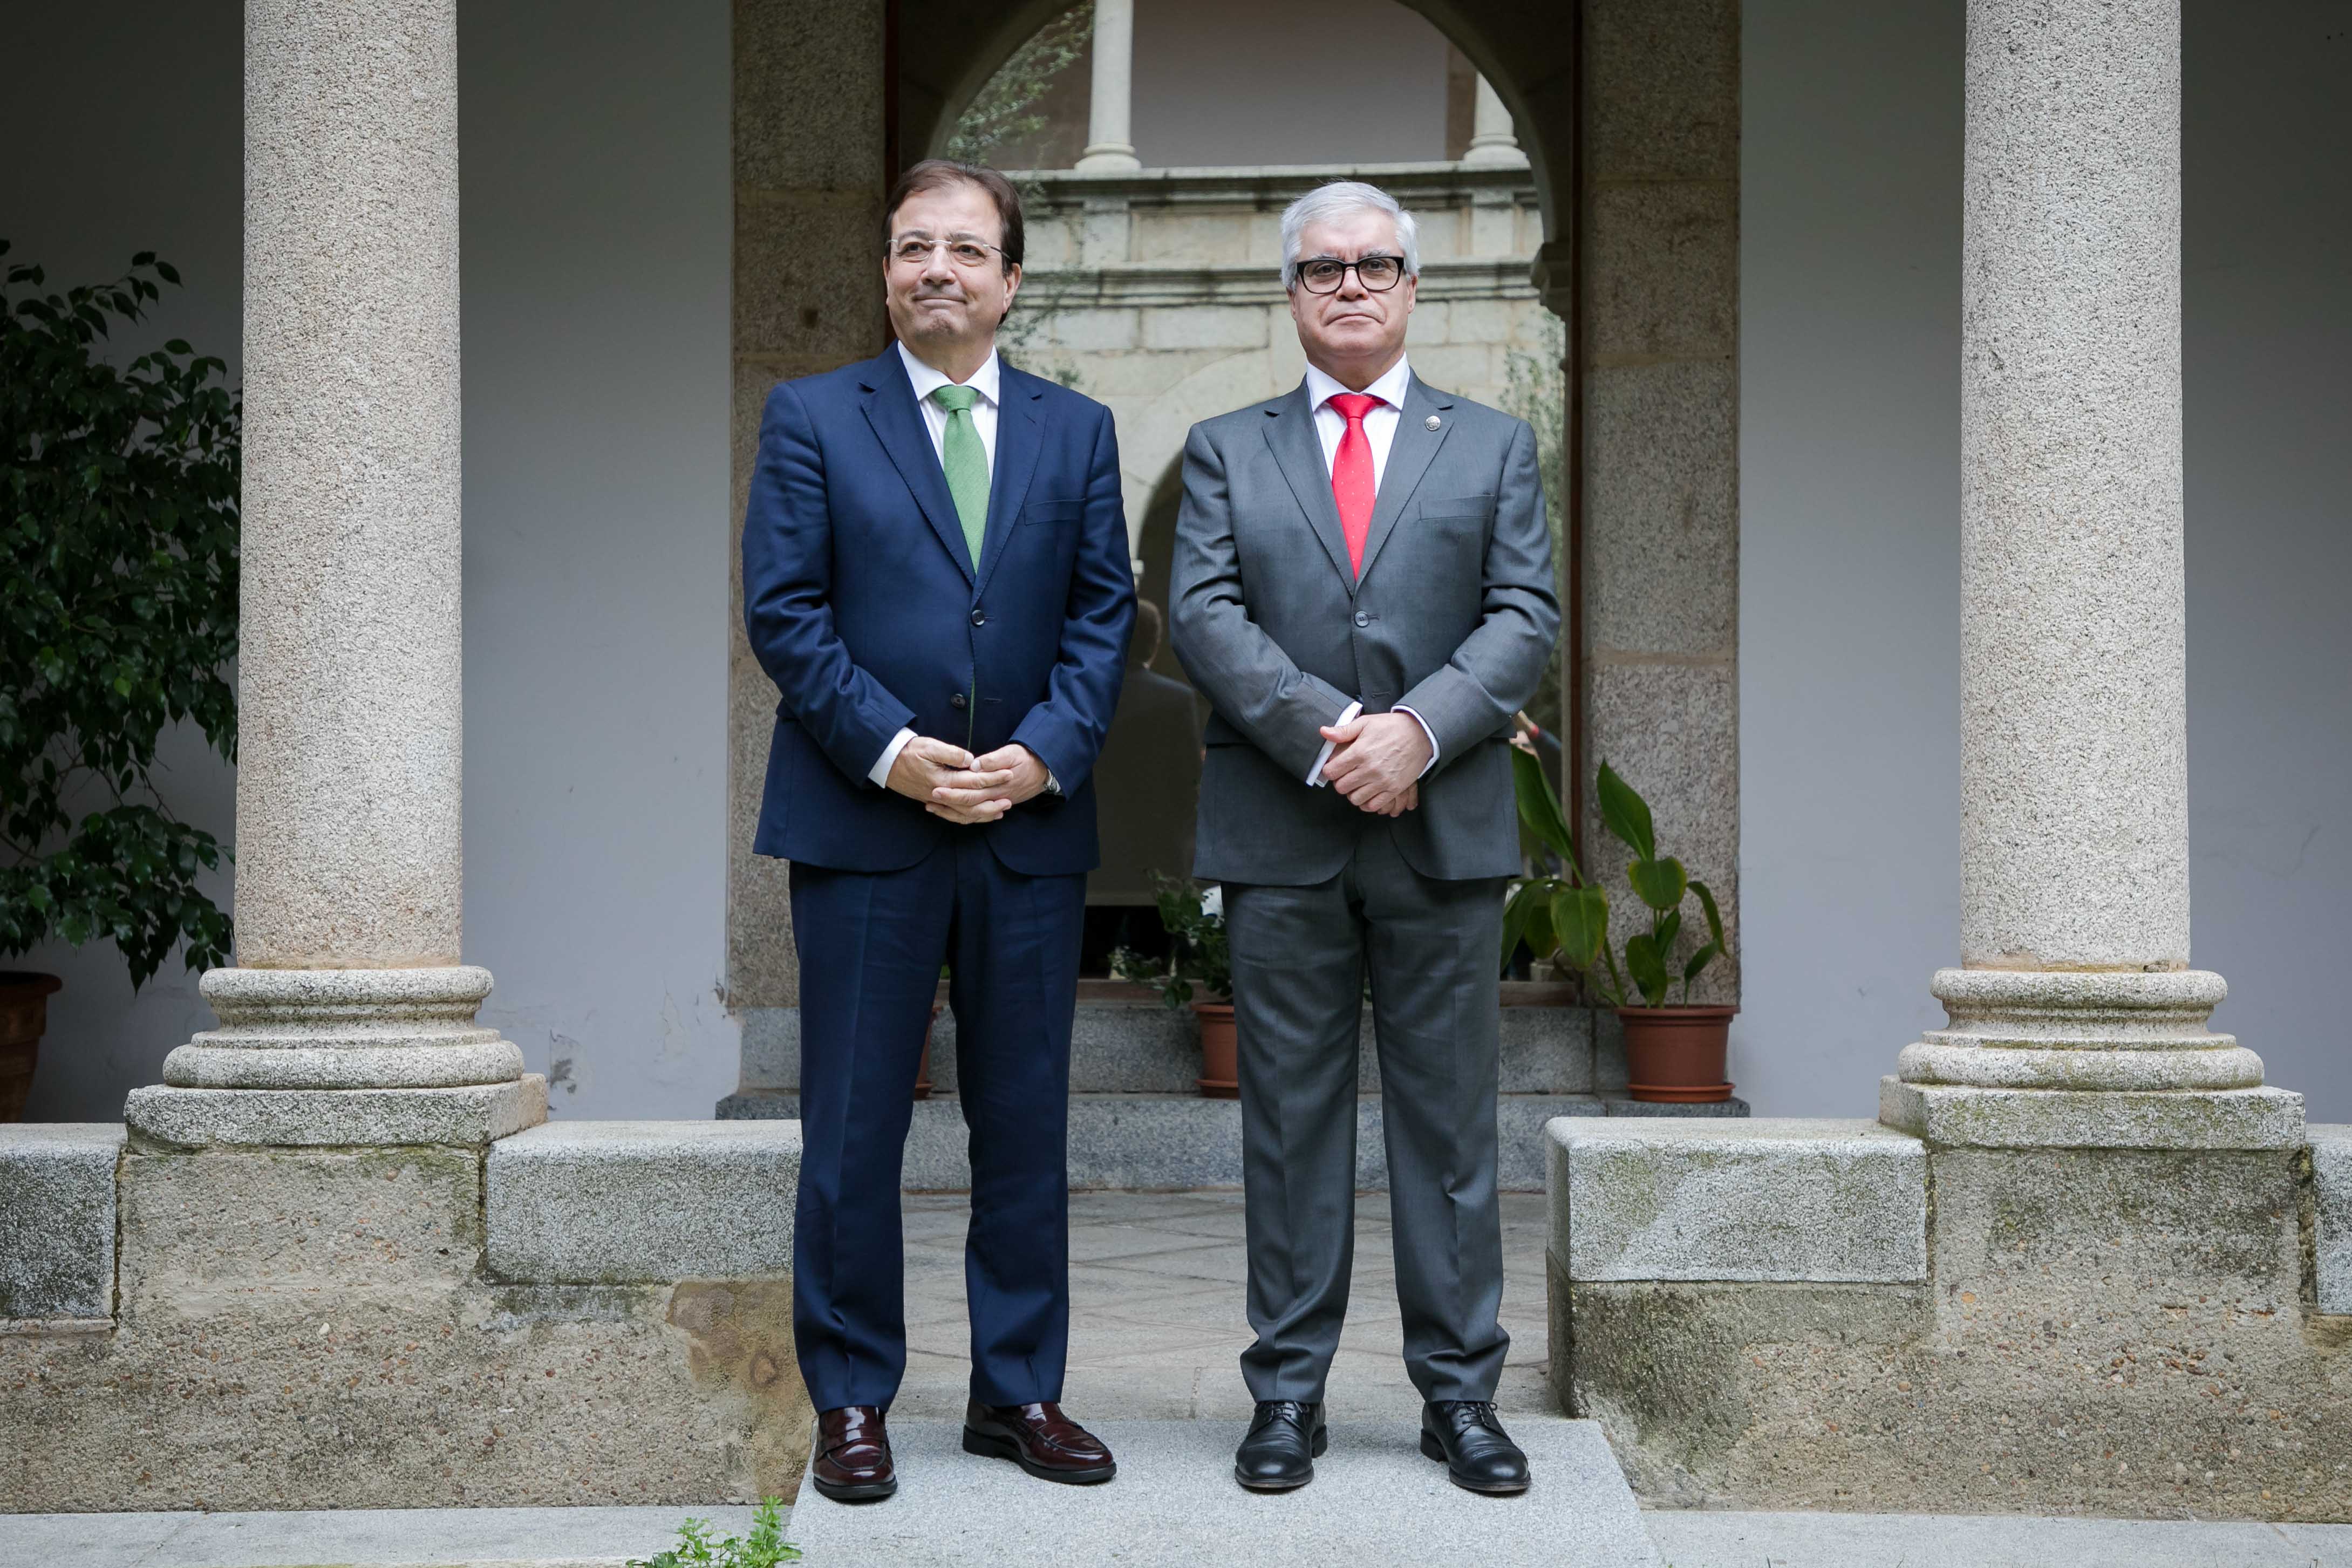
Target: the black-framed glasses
pixel 1378 274
pixel 912 250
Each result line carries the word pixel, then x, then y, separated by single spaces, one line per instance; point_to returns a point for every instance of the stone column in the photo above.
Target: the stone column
pixel 1492 144
pixel 348 1018
pixel 2074 1016
pixel 1110 145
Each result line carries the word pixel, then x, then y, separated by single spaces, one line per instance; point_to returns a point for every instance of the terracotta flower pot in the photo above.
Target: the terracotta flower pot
pixel 1220 1071
pixel 1675 1055
pixel 24 1019
pixel 923 1067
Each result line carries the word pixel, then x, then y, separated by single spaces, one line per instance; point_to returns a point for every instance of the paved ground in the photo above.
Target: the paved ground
pixel 1157 1320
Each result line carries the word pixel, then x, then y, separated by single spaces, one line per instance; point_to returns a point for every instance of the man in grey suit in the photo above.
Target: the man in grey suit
pixel 1362 587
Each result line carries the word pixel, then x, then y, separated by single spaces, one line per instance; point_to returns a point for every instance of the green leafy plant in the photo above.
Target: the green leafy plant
pixel 1194 918
pixel 763 1547
pixel 118 565
pixel 1568 916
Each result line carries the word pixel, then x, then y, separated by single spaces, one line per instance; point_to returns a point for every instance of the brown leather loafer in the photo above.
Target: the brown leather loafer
pixel 1040 1439
pixel 853 1455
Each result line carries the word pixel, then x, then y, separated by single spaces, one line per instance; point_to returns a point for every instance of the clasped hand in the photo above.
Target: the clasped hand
pixel 1376 759
pixel 953 784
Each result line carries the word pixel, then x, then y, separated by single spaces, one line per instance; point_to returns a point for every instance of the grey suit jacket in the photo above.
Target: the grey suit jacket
pixel 1455 617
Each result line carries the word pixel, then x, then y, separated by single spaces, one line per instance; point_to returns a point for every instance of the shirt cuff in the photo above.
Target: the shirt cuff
pixel 1433 740
pixel 1315 779
pixel 880 772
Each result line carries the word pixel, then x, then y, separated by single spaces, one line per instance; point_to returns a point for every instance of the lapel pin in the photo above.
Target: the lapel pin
pixel 1432 421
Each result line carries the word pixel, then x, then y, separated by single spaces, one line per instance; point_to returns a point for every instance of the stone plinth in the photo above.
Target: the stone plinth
pixel 56 1220
pixel 317 1118
pixel 315 1328
pixel 2331 1230
pixel 607 1203
pixel 1768 1199
pixel 2121 1332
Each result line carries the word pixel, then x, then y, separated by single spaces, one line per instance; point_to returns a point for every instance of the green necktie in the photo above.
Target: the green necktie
pixel 966 462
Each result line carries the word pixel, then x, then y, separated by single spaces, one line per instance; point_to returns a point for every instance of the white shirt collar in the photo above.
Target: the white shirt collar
pixel 927 381
pixel 1390 388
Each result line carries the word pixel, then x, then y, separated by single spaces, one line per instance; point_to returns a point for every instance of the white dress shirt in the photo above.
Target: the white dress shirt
pixel 1380 434
pixel 986 380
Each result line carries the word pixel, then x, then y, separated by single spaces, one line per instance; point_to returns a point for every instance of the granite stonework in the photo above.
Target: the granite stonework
pixel 57 1215
pixel 1768 1199
pixel 1156 1142
pixel 309 1328
pixel 2122 1332
pixel 165 1117
pixel 1145 1047
pixel 614 1202
pixel 2113 1119
pixel 2331 1229
pixel 349 680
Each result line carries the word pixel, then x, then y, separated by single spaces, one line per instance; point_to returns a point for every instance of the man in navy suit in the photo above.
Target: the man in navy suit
pixel 935 575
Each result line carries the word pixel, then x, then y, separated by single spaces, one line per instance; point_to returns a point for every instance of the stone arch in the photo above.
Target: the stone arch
pixel 947 52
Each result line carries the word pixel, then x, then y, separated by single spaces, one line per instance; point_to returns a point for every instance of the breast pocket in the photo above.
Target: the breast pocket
pixel 1064 510
pixel 1447 509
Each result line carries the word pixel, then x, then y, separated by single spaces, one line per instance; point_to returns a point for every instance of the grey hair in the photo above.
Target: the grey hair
pixel 1339 197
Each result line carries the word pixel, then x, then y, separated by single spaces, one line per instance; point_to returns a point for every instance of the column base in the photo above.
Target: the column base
pixel 344 1028
pixel 1109 158
pixel 1964 1116
pixel 203 1118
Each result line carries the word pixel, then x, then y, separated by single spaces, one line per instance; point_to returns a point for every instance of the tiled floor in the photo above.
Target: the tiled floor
pixel 1157 1320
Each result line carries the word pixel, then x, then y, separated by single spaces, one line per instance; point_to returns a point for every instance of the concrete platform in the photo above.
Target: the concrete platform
pixel 354 1538
pixel 1375 1503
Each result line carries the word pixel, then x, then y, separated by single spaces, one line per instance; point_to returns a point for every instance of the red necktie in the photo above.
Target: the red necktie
pixel 1351 473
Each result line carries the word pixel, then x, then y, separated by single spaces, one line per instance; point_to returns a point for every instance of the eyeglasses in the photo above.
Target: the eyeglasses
pixel 910 251
pixel 1378 274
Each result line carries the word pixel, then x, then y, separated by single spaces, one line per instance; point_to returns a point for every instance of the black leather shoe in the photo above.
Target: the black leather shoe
pixel 1278 1455
pixel 1479 1455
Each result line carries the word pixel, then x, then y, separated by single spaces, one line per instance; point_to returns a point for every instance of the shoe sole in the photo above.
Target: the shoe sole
pixel 1316 1447
pixel 1437 1450
pixel 861 1491
pixel 989 1447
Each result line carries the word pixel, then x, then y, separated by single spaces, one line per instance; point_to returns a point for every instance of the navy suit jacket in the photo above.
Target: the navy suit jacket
pixel 862 604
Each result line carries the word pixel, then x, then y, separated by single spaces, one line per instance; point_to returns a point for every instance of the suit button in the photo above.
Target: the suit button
pixel 978 619
pixel 957 700
pixel 1362 619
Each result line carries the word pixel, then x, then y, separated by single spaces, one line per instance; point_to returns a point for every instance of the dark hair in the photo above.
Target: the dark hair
pixel 936 174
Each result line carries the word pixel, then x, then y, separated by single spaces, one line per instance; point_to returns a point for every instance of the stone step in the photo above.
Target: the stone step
pixel 1178 1140
pixel 357 1537
pixel 1375 1503
pixel 1143 1047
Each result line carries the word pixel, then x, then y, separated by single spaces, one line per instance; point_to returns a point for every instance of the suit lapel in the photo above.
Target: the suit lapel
pixel 899 425
pixel 1409 452
pixel 1019 435
pixel 1299 453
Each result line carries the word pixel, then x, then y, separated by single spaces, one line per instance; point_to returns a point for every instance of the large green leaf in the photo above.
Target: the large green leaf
pixel 1658 883
pixel 1668 929
pixel 1626 815
pixel 1579 917
pixel 1647 966
pixel 1700 960
pixel 1527 897
pixel 1540 810
pixel 1714 918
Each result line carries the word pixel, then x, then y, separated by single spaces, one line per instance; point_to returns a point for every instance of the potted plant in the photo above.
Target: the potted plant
pixel 1194 918
pixel 1674 1054
pixel 118 565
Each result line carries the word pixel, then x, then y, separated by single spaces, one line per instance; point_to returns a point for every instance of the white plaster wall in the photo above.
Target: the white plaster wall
pixel 1850 509
pixel 596 215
